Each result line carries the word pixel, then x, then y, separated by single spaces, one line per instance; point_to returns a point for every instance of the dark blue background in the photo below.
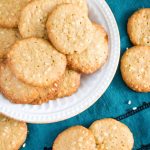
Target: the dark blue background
pixel 113 103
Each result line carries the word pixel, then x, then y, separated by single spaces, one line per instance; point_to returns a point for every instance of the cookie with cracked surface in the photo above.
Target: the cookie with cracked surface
pixel 135 68
pixel 34 16
pixel 69 83
pixel 12 133
pixel 69 30
pixel 94 57
pixel 10 12
pixel 36 62
pixel 139 27
pixel 112 135
pixel 75 138
pixel 7 38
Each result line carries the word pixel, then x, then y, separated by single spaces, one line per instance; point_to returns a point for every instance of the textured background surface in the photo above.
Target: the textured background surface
pixel 113 103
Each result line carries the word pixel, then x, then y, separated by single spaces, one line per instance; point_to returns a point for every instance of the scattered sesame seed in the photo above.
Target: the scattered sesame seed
pixel 24 145
pixel 134 108
pixel 129 102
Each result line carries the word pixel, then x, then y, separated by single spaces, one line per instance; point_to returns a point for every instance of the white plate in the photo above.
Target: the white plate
pixel 92 87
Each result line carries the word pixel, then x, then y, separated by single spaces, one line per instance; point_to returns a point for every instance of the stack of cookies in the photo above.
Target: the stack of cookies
pixel 135 63
pixel 45 47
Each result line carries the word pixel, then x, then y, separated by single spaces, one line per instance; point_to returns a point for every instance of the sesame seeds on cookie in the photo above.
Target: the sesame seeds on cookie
pixel 69 30
pixel 35 62
pixel 135 68
pixel 95 56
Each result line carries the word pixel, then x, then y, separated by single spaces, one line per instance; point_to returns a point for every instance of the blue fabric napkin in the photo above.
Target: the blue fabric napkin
pixel 113 103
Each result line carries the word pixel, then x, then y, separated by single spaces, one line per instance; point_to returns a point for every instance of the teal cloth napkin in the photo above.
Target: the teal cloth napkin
pixel 112 104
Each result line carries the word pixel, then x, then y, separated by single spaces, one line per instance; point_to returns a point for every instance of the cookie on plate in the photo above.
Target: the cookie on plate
pixel 69 83
pixel 135 68
pixel 75 138
pixel 94 56
pixel 46 94
pixel 112 135
pixel 34 16
pixel 12 133
pixel 13 89
pixel 36 62
pixel 7 38
pixel 10 12
pixel 69 29
pixel 139 27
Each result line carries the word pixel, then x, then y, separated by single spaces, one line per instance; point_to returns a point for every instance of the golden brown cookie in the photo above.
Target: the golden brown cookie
pixel 139 27
pixel 36 62
pixel 15 90
pixel 94 57
pixel 69 29
pixel 135 68
pixel 46 94
pixel 75 138
pixel 7 38
pixel 34 16
pixel 69 83
pixel 10 85
pixel 10 12
pixel 12 133
pixel 112 135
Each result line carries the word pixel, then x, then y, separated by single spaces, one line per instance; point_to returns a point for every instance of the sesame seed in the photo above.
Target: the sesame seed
pixel 129 102
pixel 134 108
pixel 24 145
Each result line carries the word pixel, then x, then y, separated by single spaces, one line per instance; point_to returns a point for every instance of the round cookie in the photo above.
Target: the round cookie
pixel 36 62
pixel 135 68
pixel 75 138
pixel 10 12
pixel 139 27
pixel 111 135
pixel 69 84
pixel 94 56
pixel 7 38
pixel 69 29
pixel 12 133
pixel 10 86
pixel 34 16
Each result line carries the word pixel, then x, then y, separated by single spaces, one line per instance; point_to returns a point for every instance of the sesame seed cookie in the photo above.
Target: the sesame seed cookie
pixel 46 94
pixel 94 57
pixel 12 133
pixel 75 138
pixel 7 38
pixel 34 16
pixel 10 12
pixel 135 68
pixel 36 62
pixel 10 85
pixel 112 135
pixel 69 29
pixel 139 27
pixel 69 83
